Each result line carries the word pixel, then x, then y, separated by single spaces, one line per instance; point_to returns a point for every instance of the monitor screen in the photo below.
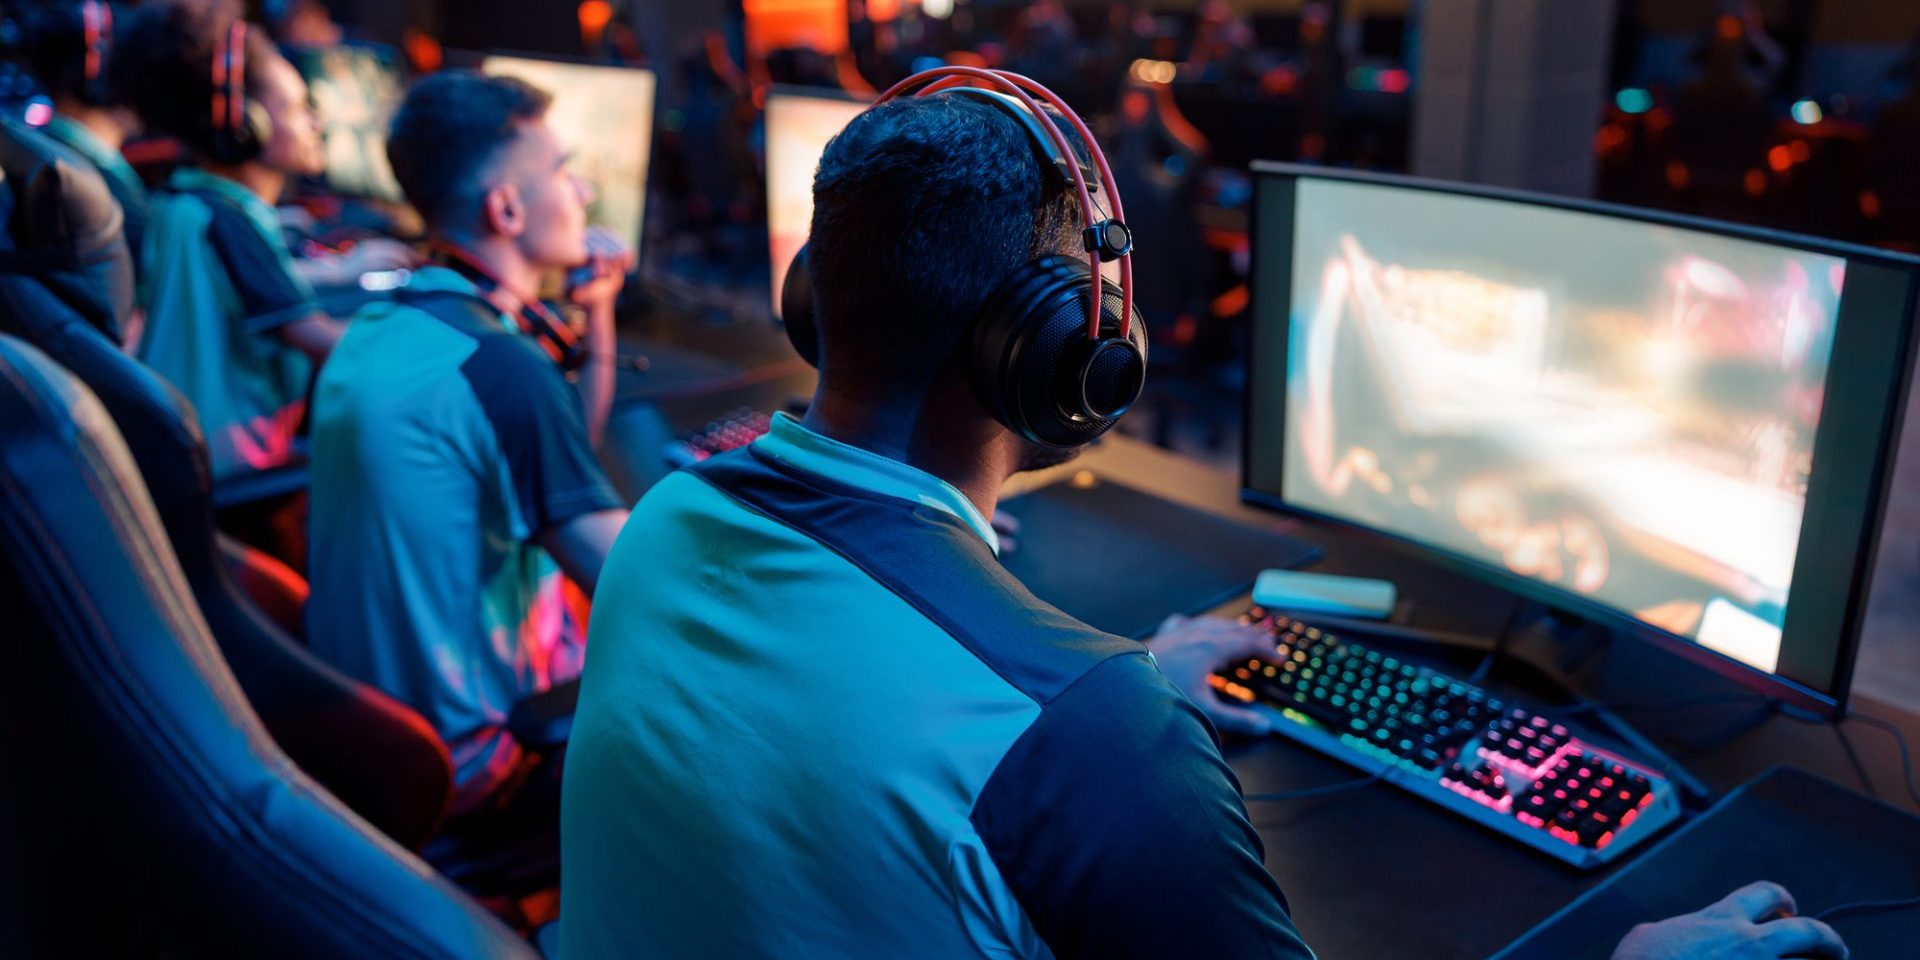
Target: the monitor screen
pixel 355 89
pixel 604 114
pixel 799 124
pixel 1682 427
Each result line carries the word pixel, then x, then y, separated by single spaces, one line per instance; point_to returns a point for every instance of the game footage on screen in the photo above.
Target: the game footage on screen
pixel 1623 410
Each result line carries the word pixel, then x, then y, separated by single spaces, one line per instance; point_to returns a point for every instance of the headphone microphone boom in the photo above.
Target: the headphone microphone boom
pixel 1055 354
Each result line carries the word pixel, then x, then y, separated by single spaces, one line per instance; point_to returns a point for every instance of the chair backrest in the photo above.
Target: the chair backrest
pixel 64 226
pixel 375 754
pixel 147 811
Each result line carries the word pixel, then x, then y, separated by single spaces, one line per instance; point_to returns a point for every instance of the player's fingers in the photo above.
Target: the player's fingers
pixel 1231 719
pixel 1756 901
pixel 1802 937
pixel 1246 642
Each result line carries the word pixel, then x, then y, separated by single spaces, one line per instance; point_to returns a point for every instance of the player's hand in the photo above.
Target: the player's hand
pixel 1190 648
pixel 597 283
pixel 1007 527
pixel 1755 922
pixel 378 253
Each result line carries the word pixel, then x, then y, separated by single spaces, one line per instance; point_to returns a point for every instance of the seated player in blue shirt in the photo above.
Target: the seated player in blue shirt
pixel 818 719
pixel 69 46
pixel 231 319
pixel 452 463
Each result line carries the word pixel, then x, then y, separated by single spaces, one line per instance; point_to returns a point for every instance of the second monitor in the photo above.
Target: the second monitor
pixel 355 90
pixel 799 124
pixel 604 114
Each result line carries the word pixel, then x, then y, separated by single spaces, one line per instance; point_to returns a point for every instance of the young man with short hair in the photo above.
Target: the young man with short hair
pixel 818 719
pixel 453 464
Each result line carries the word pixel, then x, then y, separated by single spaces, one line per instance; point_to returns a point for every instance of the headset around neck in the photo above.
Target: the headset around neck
pixel 561 341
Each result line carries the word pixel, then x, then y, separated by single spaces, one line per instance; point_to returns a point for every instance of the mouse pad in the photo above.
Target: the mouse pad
pixel 1121 560
pixel 1826 844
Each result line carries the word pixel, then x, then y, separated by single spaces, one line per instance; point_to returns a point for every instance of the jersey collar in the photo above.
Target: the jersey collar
pixel 795 446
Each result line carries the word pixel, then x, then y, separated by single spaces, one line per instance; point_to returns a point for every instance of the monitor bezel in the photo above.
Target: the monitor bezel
pixel 1832 703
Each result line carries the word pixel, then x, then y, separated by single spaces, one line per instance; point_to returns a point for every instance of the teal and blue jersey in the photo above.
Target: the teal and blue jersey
pixel 218 283
pixel 819 719
pixel 444 444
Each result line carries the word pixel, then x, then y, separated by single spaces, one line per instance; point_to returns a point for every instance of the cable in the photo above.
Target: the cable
pixel 1499 645
pixel 1326 791
pixel 1853 757
pixel 1656 706
pixel 1906 758
pixel 1863 907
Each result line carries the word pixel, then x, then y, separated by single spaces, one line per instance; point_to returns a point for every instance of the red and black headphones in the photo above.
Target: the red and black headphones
pixel 564 342
pixel 240 127
pixel 96 31
pixel 1044 359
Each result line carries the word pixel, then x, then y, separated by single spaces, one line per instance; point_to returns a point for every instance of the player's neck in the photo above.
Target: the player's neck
pixel 105 123
pixel 967 452
pixel 259 179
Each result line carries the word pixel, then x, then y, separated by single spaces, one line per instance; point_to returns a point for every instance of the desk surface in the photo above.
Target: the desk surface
pixel 1379 873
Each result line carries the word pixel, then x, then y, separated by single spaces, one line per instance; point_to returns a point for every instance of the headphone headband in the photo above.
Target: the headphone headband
pixel 229 77
pixel 1052 352
pixel 96 27
pixel 1025 90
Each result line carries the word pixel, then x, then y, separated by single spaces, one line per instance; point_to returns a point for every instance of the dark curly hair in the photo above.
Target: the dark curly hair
pixel 920 208
pixel 448 133
pixel 162 64
pixel 53 36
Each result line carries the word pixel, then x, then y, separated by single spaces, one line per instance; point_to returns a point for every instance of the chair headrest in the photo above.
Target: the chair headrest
pixel 207 826
pixel 63 226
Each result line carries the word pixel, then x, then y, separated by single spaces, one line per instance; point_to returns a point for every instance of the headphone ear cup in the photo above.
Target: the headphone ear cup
pixel 256 128
pixel 796 310
pixel 244 142
pixel 1033 367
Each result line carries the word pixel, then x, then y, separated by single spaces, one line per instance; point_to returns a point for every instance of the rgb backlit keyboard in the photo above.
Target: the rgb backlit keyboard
pixel 1498 763
pixel 736 429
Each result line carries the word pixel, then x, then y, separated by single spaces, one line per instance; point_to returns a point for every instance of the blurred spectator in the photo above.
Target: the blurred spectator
pixel 1893 192
pixel 1721 127
pixel 303 25
pixel 1737 39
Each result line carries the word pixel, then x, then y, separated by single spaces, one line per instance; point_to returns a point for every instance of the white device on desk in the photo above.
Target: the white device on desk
pixel 1327 593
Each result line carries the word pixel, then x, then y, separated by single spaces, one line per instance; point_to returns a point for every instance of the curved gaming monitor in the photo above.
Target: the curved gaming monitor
pixel 1678 429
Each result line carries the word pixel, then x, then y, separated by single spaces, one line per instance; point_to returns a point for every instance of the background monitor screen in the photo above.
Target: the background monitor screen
pixel 604 115
pixel 798 128
pixel 355 90
pixel 1637 416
